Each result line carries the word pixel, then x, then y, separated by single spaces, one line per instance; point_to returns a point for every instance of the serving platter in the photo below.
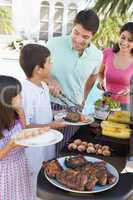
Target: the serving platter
pixel 97 188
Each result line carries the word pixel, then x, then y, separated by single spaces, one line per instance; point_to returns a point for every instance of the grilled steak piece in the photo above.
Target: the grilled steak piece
pixel 75 161
pixel 97 169
pixel 72 117
pixel 111 178
pixel 101 172
pixel 52 168
pixel 91 183
pixel 73 179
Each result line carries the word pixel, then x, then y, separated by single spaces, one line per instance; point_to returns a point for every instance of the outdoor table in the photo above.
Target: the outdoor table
pixel 121 191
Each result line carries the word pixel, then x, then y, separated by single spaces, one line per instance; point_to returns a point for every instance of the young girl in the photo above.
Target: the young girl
pixel 15 183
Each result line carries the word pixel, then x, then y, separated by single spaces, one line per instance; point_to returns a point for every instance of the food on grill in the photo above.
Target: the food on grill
pixel 105 147
pixel 72 117
pixel 106 152
pixel 83 146
pixel 85 143
pixel 90 144
pixel 110 124
pixel 77 141
pixel 120 116
pixel 52 168
pixel 72 146
pixel 99 151
pixel 114 129
pixel 90 149
pixel 75 161
pixel 82 178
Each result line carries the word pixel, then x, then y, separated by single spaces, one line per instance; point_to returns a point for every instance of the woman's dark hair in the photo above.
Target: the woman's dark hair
pixel 32 55
pixel 88 19
pixel 9 87
pixel 126 27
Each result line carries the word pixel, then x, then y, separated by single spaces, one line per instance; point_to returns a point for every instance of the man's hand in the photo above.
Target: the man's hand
pixel 54 88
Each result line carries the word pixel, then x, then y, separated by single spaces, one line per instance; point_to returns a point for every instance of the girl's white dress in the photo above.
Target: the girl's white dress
pixel 15 181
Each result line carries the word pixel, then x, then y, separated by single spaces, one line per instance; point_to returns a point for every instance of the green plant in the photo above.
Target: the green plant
pixel 5 20
pixel 109 31
pixel 109 7
pixel 16 44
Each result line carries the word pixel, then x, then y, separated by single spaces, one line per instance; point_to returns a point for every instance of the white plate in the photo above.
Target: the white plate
pixel 89 120
pixel 101 117
pixel 61 115
pixel 97 188
pixel 46 139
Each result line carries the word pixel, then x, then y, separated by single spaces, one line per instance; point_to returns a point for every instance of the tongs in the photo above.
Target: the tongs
pixel 65 99
pixel 109 94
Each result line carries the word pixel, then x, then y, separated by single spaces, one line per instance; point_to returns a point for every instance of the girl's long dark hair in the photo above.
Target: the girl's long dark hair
pixel 126 27
pixel 9 87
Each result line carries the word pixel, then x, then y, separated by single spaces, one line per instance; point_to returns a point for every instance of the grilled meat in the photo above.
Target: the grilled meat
pixel 52 168
pixel 101 172
pixel 72 117
pixel 81 175
pixel 76 161
pixel 97 169
pixel 91 183
pixel 73 179
pixel 111 178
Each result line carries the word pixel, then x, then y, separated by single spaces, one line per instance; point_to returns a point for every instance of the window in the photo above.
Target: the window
pixel 58 19
pixel 5 1
pixel 44 20
pixel 6 16
pixel 72 11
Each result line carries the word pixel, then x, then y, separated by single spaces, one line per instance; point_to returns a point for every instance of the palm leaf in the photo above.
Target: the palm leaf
pixel 5 20
pixel 108 7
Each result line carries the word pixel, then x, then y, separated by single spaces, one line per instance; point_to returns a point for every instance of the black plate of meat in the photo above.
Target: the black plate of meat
pixel 94 176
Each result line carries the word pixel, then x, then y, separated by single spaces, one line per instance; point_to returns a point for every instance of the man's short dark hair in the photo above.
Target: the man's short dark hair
pixel 32 55
pixel 88 19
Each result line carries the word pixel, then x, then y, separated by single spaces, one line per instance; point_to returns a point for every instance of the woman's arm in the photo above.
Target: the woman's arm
pixel 101 75
pixel 54 86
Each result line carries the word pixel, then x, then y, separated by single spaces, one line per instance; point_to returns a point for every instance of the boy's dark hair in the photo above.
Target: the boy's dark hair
pixel 88 19
pixel 9 87
pixel 126 27
pixel 32 55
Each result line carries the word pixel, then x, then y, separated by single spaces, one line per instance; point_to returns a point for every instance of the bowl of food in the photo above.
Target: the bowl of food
pixel 104 105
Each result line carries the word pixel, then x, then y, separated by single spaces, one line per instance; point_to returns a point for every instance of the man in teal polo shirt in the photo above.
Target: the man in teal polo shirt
pixel 75 60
